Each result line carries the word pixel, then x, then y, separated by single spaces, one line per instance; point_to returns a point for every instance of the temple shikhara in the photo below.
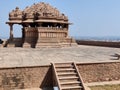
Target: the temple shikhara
pixel 42 26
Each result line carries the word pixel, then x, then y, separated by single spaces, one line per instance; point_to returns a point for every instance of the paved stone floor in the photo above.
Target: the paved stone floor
pixel 17 57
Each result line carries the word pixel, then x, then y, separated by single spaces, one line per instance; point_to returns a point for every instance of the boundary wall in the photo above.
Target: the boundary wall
pixel 99 43
pixel 41 76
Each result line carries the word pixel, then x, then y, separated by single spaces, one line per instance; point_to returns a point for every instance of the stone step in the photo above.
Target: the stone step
pixel 70 85
pixel 66 78
pixel 47 46
pixel 64 66
pixel 65 70
pixel 60 76
pixel 67 63
pixel 72 88
pixel 47 41
pixel 66 73
pixel 51 46
pixel 72 82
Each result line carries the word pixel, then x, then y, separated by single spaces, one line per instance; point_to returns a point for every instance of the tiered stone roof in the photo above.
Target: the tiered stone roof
pixel 15 14
pixel 37 13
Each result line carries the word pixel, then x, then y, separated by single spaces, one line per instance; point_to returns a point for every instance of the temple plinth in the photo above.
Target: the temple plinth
pixel 43 26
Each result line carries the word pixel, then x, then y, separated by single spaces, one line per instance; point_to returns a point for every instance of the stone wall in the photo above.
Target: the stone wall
pixel 25 77
pixel 41 76
pixel 99 43
pixel 97 72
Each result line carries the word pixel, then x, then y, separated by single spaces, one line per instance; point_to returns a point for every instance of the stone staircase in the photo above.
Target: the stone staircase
pixel 67 76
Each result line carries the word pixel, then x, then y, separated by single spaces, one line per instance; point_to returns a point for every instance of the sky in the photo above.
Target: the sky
pixel 89 17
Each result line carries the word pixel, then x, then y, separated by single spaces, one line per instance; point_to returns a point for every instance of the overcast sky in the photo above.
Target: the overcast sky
pixel 89 17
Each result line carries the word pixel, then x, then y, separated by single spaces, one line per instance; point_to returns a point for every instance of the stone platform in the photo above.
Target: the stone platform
pixel 20 57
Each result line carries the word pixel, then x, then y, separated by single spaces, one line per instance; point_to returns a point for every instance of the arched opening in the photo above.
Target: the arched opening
pixel 17 35
pixel 17 31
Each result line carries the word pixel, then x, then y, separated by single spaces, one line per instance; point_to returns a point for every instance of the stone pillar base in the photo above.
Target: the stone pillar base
pixel 26 45
pixel 11 45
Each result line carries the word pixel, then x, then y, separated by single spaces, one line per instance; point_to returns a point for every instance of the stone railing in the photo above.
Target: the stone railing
pixel 45 28
pixel 45 32
pixel 52 28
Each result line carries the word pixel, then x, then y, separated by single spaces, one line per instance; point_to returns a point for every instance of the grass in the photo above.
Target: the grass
pixel 106 87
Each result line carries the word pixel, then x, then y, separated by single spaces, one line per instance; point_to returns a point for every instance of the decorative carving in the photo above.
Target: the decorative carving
pixel 17 13
pixel 36 11
pixel 44 10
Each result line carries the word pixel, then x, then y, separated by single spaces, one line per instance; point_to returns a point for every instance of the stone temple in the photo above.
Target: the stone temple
pixel 42 26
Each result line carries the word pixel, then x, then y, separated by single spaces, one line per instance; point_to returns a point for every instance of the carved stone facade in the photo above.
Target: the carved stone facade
pixel 43 26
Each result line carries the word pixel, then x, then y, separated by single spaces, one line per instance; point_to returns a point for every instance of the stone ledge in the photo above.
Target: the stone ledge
pixel 29 89
pixel 47 88
pixel 103 83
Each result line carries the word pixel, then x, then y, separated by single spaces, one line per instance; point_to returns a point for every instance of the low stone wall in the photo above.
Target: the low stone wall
pixel 99 43
pixel 25 77
pixel 41 76
pixel 97 72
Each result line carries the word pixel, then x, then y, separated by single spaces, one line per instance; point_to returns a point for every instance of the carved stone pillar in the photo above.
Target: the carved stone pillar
pixel 11 31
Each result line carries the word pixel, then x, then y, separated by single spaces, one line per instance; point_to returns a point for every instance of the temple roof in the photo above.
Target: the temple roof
pixel 15 14
pixel 37 12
